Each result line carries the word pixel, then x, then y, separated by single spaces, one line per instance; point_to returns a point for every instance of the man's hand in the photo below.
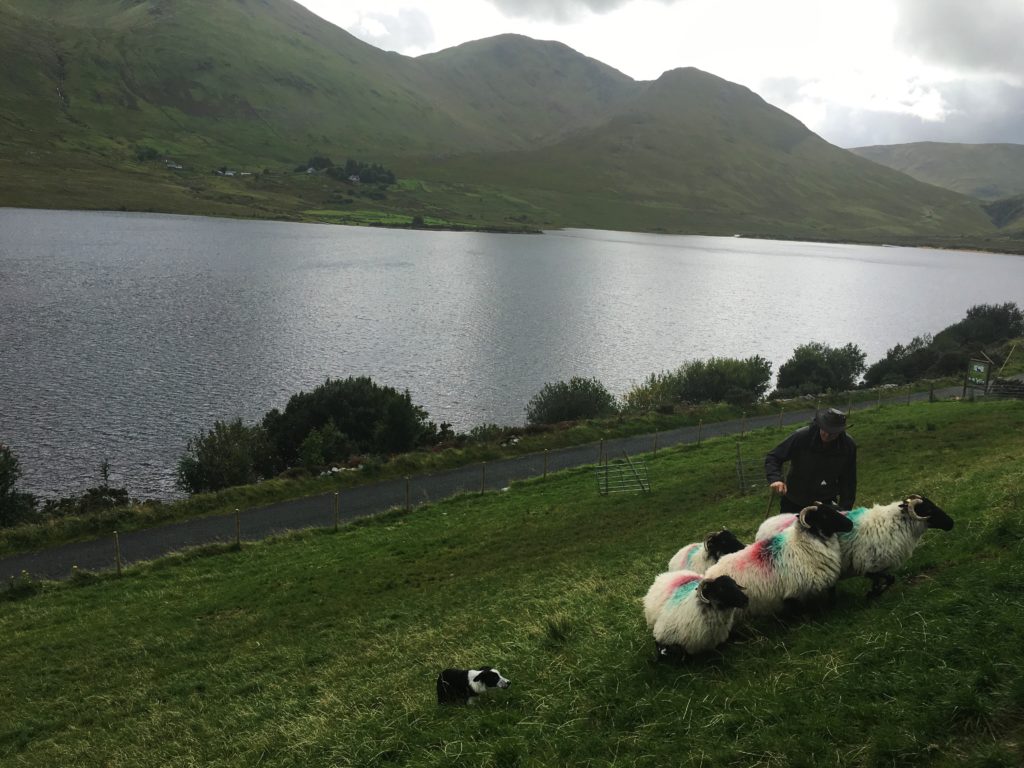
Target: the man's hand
pixel 779 487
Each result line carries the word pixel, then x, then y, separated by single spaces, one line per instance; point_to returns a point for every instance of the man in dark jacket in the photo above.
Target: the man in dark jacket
pixel 823 464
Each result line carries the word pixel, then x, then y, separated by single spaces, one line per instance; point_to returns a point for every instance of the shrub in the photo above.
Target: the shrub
pixel 15 506
pixel 366 417
pixel 231 453
pixel 719 379
pixel 816 368
pixel 724 379
pixel 904 363
pixel 985 324
pixel 575 399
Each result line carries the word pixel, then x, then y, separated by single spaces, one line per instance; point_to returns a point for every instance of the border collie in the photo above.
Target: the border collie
pixel 460 686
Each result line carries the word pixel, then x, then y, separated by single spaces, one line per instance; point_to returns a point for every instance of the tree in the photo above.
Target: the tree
pixel 15 506
pixel 984 324
pixel 370 418
pixel 816 368
pixel 231 453
pixel 903 363
pixel 725 379
pixel 575 399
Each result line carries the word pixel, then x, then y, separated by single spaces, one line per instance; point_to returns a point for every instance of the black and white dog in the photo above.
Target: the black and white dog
pixel 460 686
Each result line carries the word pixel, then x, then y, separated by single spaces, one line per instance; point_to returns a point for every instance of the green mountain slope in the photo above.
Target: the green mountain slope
pixel 693 152
pixel 512 132
pixel 539 90
pixel 985 171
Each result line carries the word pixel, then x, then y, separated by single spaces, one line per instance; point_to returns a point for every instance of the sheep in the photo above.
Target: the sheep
pixel 700 556
pixel 774 524
pixel 790 566
pixel 885 535
pixel 690 614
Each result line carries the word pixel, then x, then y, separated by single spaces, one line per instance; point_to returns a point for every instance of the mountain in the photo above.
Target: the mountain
pixel 693 152
pixel 985 171
pixel 100 98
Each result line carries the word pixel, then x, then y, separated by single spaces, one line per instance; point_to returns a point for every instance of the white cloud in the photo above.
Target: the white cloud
pixel 980 35
pixel 406 30
pixel 558 11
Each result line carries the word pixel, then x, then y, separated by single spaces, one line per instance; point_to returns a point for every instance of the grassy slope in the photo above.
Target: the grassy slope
pixel 322 649
pixel 259 84
pixel 986 171
pixel 693 152
pixel 538 90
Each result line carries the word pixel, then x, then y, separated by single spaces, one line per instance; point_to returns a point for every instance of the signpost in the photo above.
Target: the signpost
pixel 978 374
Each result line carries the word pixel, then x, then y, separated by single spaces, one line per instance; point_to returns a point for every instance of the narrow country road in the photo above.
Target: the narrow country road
pixel 318 511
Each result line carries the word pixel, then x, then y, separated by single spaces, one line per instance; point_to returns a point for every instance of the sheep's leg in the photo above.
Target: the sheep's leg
pixel 880 581
pixel 668 653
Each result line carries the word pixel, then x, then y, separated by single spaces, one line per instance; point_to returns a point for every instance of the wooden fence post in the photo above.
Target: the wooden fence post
pixel 238 528
pixel 337 511
pixel 545 462
pixel 117 552
pixel 408 496
pixel 700 430
pixel 483 475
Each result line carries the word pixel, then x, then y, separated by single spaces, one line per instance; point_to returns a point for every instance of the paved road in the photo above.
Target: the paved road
pixel 318 511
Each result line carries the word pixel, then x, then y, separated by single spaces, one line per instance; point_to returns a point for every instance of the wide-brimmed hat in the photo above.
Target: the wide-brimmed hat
pixel 832 421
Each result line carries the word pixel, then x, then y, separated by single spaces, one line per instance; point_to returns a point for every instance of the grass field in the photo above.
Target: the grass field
pixel 322 648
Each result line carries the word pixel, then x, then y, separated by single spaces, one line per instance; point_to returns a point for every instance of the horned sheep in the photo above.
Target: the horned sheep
pixel 793 565
pixel 689 613
pixel 700 556
pixel 882 539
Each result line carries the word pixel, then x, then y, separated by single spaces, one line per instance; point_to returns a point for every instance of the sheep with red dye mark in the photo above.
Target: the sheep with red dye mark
pixel 774 524
pixel 882 538
pixel 802 561
pixel 702 555
pixel 689 613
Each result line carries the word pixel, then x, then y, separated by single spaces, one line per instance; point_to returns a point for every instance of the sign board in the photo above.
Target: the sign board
pixel 978 373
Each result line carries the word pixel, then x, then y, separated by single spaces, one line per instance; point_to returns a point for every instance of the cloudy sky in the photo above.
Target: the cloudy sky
pixel 857 72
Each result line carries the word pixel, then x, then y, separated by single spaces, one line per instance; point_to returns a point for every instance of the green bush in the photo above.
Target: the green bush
pixel 985 324
pixel 816 368
pixel 984 329
pixel 575 399
pixel 366 418
pixel 231 453
pixel 718 379
pixel 15 506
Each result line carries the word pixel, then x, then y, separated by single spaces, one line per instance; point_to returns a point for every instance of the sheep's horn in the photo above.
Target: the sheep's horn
pixel 700 594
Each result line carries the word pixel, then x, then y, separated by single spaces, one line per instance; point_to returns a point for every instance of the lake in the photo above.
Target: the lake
pixel 122 335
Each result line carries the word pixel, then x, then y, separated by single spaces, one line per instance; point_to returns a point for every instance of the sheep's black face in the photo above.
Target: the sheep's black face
pixel 723 543
pixel 936 517
pixel 826 520
pixel 724 592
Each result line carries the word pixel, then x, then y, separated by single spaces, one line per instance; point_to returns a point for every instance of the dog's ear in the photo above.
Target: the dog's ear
pixel 483 671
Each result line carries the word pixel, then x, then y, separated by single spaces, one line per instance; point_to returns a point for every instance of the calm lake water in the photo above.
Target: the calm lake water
pixel 122 335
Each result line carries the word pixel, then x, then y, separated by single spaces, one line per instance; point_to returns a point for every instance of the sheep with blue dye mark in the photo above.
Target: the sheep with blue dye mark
pixel 882 538
pixel 690 614
pixel 793 565
pixel 885 535
pixel 700 556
